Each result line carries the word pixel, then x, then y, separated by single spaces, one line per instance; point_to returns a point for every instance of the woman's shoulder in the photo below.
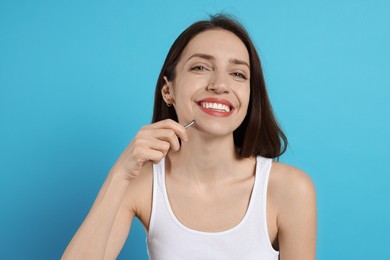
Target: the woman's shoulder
pixel 288 176
pixel 293 199
pixel 289 186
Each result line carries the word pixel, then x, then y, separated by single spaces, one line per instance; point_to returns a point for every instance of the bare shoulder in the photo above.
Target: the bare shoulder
pixel 290 182
pixel 292 194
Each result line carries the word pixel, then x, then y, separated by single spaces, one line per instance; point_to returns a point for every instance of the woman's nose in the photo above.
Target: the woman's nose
pixel 218 84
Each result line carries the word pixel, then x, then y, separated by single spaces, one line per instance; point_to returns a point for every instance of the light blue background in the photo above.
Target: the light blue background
pixel 77 81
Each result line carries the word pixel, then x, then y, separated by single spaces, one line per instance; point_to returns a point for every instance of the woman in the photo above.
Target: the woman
pixel 210 191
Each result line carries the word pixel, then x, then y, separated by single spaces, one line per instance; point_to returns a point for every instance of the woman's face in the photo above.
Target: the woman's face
pixel 212 83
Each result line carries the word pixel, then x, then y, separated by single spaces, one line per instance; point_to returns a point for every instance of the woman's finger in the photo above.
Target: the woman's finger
pixel 179 130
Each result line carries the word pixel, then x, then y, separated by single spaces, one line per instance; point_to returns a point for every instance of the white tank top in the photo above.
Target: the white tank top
pixel 168 239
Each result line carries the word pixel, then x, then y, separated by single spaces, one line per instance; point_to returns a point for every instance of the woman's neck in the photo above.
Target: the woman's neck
pixel 204 160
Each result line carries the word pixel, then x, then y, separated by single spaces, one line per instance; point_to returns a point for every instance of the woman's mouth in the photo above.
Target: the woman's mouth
pixel 216 107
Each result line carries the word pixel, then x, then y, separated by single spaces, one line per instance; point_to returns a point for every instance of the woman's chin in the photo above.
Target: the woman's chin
pixel 216 131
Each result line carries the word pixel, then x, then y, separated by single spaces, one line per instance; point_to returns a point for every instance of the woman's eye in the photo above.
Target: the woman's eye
pixel 199 68
pixel 239 75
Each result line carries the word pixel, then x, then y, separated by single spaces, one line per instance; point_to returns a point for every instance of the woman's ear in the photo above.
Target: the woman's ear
pixel 167 92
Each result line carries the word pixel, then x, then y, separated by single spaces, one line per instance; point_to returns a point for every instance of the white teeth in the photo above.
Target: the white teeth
pixel 216 106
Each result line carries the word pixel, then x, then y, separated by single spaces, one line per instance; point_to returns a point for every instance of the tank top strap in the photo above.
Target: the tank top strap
pixel 157 193
pixel 258 215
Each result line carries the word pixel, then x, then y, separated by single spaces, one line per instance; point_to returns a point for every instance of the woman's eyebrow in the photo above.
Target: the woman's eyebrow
pixel 210 57
pixel 239 62
pixel 202 55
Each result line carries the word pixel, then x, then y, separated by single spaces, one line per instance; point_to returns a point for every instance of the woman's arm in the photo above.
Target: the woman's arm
pixel 297 220
pixel 139 197
pixel 115 206
pixel 91 238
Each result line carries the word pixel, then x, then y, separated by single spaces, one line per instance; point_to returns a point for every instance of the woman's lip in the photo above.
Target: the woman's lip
pixel 216 100
pixel 213 112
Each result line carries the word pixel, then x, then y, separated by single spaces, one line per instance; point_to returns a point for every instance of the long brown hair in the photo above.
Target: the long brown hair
pixel 259 133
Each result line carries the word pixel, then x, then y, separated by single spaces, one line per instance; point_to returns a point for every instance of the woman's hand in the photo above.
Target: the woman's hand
pixel 151 143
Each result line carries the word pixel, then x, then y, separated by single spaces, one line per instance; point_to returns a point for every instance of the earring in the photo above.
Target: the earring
pixel 169 104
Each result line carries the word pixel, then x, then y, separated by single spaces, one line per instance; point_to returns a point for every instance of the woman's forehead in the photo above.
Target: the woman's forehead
pixel 217 43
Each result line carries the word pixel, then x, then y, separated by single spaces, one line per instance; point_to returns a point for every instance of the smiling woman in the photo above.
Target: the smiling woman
pixel 217 194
